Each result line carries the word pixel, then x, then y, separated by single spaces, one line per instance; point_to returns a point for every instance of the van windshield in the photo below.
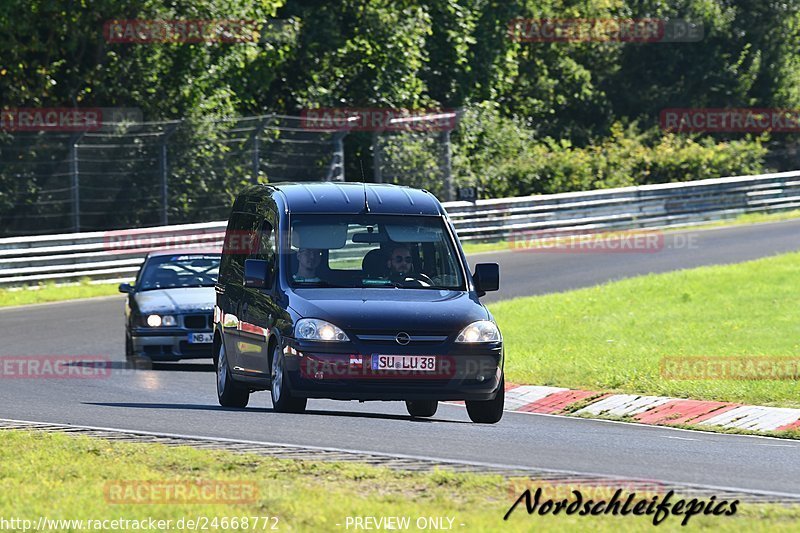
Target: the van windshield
pixel 390 251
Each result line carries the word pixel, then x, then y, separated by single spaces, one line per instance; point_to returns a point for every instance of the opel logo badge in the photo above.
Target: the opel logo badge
pixel 403 338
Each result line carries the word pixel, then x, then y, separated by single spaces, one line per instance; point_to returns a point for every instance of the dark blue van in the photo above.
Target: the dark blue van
pixel 353 291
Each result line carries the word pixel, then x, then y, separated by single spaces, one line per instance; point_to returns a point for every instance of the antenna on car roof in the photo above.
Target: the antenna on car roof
pixel 363 183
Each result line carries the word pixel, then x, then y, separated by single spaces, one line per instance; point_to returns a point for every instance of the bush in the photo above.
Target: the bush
pixel 503 157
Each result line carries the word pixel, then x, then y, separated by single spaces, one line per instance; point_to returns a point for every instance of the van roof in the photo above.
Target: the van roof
pixel 349 198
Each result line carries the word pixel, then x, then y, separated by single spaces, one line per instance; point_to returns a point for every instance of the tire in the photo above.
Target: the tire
pixel 280 389
pixel 129 356
pixel 421 408
pixel 229 393
pixel 488 411
pixel 132 360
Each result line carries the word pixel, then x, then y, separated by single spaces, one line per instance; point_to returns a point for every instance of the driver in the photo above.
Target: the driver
pixel 400 263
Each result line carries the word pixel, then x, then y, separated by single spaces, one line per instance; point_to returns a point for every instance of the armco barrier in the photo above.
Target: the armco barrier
pixel 104 257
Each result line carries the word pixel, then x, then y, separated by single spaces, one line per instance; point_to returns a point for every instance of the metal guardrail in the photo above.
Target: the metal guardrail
pixel 113 256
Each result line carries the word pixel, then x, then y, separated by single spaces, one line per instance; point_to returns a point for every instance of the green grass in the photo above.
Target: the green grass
pixel 65 477
pixel 749 218
pixel 53 293
pixel 613 336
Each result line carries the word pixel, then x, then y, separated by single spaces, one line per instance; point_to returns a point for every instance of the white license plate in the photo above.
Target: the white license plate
pixel 201 338
pixel 404 363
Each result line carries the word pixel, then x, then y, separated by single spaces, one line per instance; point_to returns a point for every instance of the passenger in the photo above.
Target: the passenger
pixel 308 260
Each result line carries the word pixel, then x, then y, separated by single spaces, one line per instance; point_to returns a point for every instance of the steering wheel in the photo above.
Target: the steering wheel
pixel 418 278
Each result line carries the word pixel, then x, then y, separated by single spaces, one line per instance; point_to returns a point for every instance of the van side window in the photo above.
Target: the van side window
pixel 266 243
pixel 238 246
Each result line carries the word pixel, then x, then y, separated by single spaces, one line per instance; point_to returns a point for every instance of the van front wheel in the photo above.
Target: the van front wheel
pixel 489 411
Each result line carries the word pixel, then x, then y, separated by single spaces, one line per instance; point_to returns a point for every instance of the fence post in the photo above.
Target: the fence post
pixel 336 170
pixel 377 164
pixel 76 184
pixel 449 189
pixel 257 147
pixel 163 167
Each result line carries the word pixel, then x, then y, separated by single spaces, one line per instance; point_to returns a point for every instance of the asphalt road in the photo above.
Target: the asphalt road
pixel 181 398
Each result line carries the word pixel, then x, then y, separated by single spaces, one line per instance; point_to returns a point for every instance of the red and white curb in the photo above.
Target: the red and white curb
pixel 659 410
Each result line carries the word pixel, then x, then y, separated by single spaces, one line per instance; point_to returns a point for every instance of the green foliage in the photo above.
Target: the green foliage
pixel 505 158
pixel 539 117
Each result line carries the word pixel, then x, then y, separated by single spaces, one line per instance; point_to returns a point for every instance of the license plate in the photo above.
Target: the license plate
pixel 404 363
pixel 201 338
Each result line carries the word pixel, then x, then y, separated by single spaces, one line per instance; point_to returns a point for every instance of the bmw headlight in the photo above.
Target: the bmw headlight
pixel 313 329
pixel 156 321
pixel 480 331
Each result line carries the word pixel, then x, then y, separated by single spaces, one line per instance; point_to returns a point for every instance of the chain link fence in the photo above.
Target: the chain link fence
pixel 137 174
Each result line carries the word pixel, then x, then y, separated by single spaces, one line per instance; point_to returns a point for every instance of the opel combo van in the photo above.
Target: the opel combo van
pixel 353 291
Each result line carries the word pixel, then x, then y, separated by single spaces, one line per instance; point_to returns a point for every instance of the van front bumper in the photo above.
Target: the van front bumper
pixel 462 373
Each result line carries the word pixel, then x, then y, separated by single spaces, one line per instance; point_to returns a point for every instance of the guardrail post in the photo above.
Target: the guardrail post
pixel 164 169
pixel 76 184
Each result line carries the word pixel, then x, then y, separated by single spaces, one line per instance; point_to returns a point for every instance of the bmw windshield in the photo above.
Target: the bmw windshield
pixel 390 251
pixel 175 271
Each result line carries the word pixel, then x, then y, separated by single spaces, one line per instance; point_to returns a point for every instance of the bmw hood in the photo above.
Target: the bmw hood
pixel 179 300
pixel 411 310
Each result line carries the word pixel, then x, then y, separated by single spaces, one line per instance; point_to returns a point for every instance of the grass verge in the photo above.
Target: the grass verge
pixel 74 478
pixel 615 336
pixel 53 293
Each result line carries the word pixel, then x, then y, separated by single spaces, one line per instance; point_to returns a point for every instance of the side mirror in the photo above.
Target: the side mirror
pixel 486 277
pixel 257 274
pixel 126 288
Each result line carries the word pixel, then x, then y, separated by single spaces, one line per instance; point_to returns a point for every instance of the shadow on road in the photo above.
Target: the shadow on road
pixel 201 407
pixel 174 366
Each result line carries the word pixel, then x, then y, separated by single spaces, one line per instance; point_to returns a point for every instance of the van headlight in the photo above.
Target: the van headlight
pixel 156 321
pixel 480 331
pixel 313 329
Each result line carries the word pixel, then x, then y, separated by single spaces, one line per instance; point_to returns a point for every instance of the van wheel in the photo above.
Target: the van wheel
pixel 229 393
pixel 422 408
pixel 282 399
pixel 488 411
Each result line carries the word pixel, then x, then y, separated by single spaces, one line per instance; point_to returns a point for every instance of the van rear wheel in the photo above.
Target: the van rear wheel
pixel 282 399
pixel 422 408
pixel 488 411
pixel 229 393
